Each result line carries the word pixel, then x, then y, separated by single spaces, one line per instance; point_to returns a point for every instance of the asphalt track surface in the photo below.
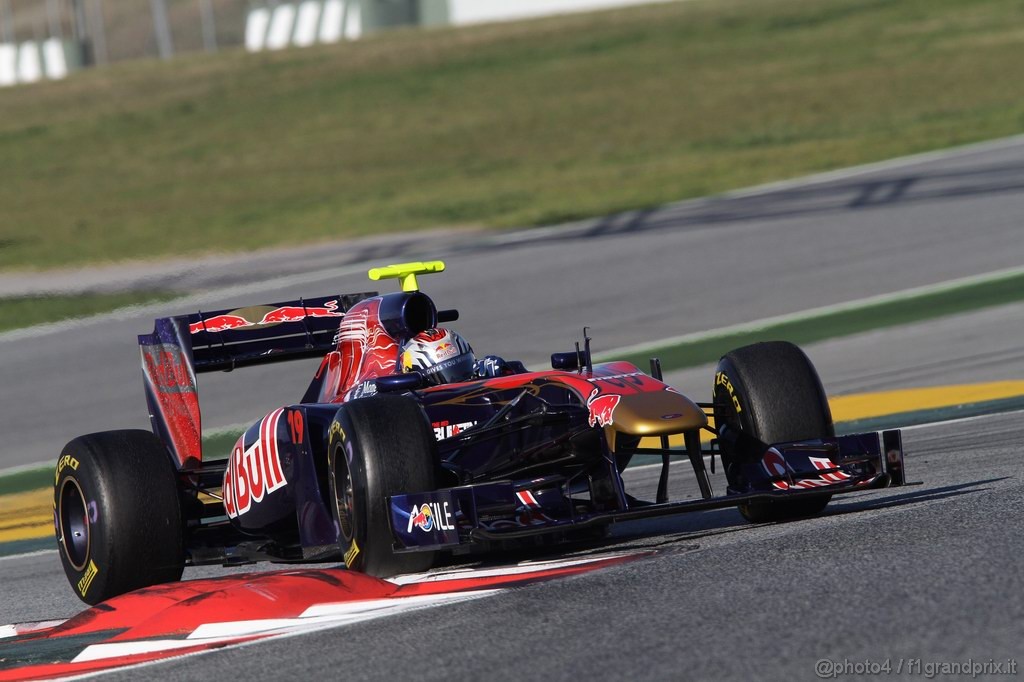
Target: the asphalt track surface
pixel 632 278
pixel 930 572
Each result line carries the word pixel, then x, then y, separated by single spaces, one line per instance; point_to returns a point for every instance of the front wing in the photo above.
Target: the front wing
pixel 507 510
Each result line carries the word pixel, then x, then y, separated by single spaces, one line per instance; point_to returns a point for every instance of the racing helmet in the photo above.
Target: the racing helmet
pixel 440 355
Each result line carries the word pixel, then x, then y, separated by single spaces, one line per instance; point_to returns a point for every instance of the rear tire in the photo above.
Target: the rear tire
pixel 769 393
pixel 379 446
pixel 117 514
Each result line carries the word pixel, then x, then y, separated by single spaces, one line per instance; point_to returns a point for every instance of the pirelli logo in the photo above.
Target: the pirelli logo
pixel 90 573
pixel 352 553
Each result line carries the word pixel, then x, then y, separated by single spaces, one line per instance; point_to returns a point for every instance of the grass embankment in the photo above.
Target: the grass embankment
pixel 842 321
pixel 26 311
pixel 503 125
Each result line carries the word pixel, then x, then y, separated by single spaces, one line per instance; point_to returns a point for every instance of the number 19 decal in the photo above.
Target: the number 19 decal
pixel 296 425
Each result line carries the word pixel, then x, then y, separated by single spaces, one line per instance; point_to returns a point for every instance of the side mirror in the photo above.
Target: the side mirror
pixel 568 360
pixel 394 383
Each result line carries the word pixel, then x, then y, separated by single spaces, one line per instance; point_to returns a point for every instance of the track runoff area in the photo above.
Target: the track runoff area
pixel 153 624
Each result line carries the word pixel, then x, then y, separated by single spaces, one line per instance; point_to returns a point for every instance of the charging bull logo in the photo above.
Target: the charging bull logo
pixel 445 350
pixel 602 408
pixel 422 519
pixel 431 516
pixel 288 313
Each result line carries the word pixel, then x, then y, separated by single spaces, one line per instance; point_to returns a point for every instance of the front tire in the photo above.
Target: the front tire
pixel 769 393
pixel 117 514
pixel 379 446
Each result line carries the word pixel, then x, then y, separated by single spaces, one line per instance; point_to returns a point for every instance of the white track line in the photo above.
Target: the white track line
pixel 805 315
pixel 38 552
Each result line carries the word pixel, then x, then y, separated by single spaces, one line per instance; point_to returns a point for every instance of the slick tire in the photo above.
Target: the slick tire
pixel 117 514
pixel 379 446
pixel 769 393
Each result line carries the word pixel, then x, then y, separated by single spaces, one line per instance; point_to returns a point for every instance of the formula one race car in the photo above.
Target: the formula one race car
pixel 383 466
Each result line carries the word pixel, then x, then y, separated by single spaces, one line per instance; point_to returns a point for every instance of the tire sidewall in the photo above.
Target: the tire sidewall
pixel 388 446
pixel 135 532
pixel 344 452
pixel 89 578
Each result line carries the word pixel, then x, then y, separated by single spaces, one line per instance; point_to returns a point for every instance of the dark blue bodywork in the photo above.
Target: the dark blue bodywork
pixel 523 456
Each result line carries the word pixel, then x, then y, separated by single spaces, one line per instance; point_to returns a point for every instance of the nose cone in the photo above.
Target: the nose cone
pixel 658 413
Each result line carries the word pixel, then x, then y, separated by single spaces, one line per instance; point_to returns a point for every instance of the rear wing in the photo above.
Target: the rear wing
pixel 185 345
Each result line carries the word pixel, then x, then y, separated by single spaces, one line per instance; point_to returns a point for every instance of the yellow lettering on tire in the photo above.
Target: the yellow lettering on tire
pixel 91 572
pixel 721 379
pixel 350 555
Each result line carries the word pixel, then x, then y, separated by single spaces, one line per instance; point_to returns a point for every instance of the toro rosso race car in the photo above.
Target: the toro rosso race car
pixel 386 462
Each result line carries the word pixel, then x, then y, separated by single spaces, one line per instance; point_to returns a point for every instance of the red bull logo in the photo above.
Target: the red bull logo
pixel 290 313
pixel 431 516
pixel 219 323
pixel 445 350
pixel 602 408
pixel 287 313
pixel 422 519
pixel 254 473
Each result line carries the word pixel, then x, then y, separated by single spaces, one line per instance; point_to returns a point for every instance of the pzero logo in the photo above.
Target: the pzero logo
pixel 63 463
pixel 430 516
pixel 602 408
pixel 721 379
pixel 253 474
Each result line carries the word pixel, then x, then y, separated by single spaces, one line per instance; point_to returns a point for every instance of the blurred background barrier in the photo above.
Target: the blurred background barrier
pixel 47 39
pixel 33 61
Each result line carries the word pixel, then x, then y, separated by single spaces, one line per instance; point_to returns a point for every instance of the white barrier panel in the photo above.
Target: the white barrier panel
pixel 281 24
pixel 305 25
pixel 354 21
pixel 256 29
pixel 331 21
pixel 8 64
pixel 480 11
pixel 30 66
pixel 54 59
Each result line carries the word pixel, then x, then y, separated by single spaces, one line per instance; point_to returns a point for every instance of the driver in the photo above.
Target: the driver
pixel 444 357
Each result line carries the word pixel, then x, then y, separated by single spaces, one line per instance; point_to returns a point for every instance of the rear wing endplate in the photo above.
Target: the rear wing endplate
pixel 185 345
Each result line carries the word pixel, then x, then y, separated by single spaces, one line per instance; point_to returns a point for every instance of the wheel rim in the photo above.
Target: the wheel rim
pixel 345 495
pixel 73 512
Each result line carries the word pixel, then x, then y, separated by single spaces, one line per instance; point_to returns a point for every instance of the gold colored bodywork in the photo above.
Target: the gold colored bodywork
pixel 659 413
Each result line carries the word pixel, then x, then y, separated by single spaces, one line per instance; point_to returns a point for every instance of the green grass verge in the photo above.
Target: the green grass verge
pixel 913 308
pixel 217 446
pixel 26 311
pixel 26 546
pixel 29 479
pixel 504 125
